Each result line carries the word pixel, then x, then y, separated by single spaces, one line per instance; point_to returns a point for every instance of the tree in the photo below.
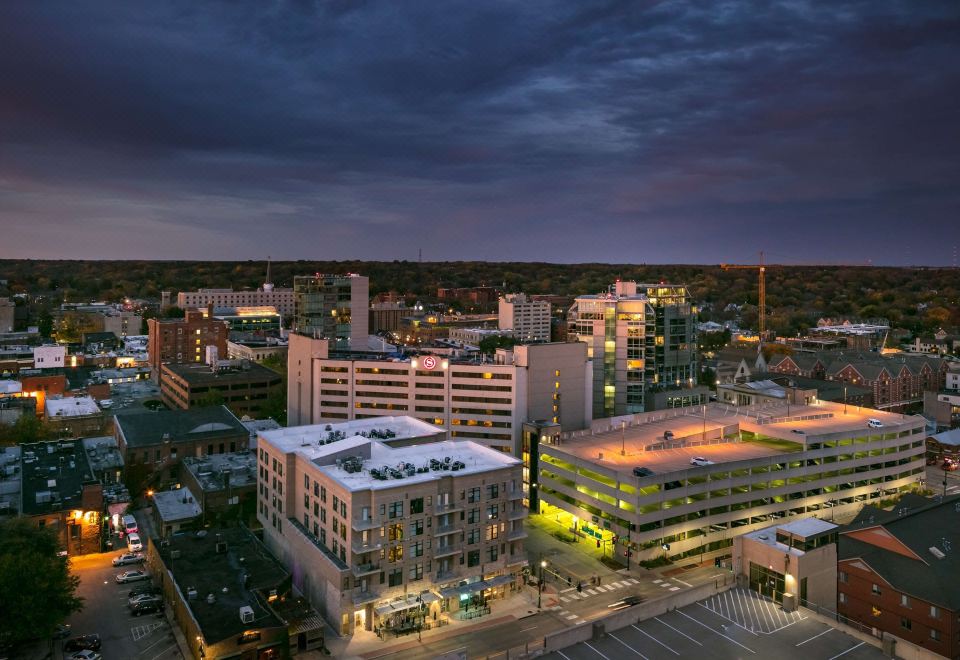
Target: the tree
pixel 210 399
pixel 38 589
pixel 492 343
pixel 26 429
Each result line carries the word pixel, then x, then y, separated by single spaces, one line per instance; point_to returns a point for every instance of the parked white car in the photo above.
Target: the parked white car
pixel 700 461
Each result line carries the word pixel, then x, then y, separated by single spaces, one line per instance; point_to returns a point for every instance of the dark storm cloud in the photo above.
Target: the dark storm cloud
pixel 615 131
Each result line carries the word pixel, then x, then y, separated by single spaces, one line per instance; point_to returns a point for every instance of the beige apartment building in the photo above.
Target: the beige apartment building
pixel 528 320
pixel 282 299
pixel 688 481
pixel 483 401
pixel 387 529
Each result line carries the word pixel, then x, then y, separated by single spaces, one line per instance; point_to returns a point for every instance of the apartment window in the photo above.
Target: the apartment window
pixel 416 505
pixel 492 532
pixel 323 536
pixel 323 494
pixel 473 558
pixel 474 495
pixel 416 527
pixel 842 597
pixel 316 489
pixel 492 553
pixel 336 525
pixel 316 509
pixel 493 511
pixel 416 573
pixel 473 516
pixel 905 623
pixel 396 510
pixel 904 600
pixel 323 516
pixel 306 501
pixel 493 491
pixel 934 612
pixel 416 549
pixel 875 590
pixel 395 577
pixel 395 532
pixel 395 553
pixel 336 503
pixel 935 634
pixel 343 509
pixel 843 577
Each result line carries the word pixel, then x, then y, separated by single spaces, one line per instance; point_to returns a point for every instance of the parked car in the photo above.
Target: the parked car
pixel 668 435
pixel 633 600
pixel 134 544
pixel 147 607
pixel 128 558
pixel 132 576
pixel 88 642
pixel 143 589
pixel 86 655
pixel 62 631
pixel 800 431
pixel 642 472
pixel 950 465
pixel 700 461
pixel 144 598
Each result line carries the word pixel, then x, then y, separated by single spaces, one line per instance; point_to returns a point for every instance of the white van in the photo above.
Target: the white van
pixel 874 423
pixel 129 524
pixel 134 544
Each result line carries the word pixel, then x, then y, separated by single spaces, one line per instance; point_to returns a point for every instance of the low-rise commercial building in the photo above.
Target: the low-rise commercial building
pixel 154 443
pixel 257 351
pixel 897 572
pixel 794 563
pixel 222 483
pixel 174 510
pixel 61 492
pixel 74 416
pixel 694 479
pixel 483 401
pixel 386 529
pixel 242 386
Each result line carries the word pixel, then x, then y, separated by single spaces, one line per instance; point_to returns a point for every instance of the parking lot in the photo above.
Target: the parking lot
pixel 733 628
pixel 106 613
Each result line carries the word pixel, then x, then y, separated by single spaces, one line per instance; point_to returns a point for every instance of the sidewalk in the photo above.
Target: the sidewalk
pixel 367 646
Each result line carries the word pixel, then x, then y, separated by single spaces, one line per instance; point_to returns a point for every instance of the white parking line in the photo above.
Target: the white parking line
pixel 628 646
pixel 563 655
pixel 654 639
pixel 814 637
pixel 738 625
pixel 686 584
pixel 596 651
pixel 680 632
pixel 716 631
pixel 847 651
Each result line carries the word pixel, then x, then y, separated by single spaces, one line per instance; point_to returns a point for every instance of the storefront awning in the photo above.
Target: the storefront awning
pixel 400 605
pixel 475 587
pixel 499 580
pixel 429 597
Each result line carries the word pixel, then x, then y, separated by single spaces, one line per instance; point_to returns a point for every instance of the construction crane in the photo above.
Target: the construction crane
pixel 762 298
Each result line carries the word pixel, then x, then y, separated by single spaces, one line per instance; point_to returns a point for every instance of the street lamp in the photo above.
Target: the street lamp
pixel 543 565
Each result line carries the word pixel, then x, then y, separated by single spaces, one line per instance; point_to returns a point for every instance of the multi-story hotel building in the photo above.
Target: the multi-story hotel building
pixel 486 402
pixel 281 299
pixel 642 341
pixel 529 320
pixel 693 479
pixel 335 307
pixel 384 527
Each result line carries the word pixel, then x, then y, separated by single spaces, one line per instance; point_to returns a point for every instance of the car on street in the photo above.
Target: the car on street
pixel 633 600
pixel 128 558
pixel 950 465
pixel 700 461
pixel 86 655
pixel 148 607
pixel 132 576
pixel 83 642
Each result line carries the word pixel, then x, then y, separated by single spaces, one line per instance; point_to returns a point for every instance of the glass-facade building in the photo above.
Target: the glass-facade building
pixel 334 307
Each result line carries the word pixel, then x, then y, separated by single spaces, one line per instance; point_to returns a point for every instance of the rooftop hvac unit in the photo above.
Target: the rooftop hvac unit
pixel 191 593
pixel 246 614
pixel 174 554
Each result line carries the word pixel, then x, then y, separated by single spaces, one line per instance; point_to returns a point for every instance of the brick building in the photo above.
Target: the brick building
pixel 897 572
pixel 241 385
pixel 184 341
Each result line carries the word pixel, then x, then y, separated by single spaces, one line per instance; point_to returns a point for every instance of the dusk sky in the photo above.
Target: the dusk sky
pixel 653 132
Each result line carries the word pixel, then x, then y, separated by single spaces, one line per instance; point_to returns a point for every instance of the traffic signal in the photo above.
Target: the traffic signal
pixel 598 543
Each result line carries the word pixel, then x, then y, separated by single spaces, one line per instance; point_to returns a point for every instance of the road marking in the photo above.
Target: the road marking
pixel 814 637
pixel 596 651
pixel 656 618
pixel 566 590
pixel 591 592
pixel 686 584
pixel 628 646
pixel 634 581
pixel 734 622
pixel 526 629
pixel 139 632
pixel 563 655
pixel 847 651
pixel 644 632
pixel 564 599
pixel 164 651
pixel 657 581
pixel 162 639
pixel 674 588
pixel 717 631
pixel 570 617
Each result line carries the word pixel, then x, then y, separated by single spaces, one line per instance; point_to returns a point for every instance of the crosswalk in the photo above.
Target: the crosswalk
pixel 571 594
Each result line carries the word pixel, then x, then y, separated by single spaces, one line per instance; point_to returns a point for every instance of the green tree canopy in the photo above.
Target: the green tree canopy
pixel 38 589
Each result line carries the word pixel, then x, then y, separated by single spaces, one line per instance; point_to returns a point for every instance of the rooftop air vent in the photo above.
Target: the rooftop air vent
pixel 246 614
pixel 935 551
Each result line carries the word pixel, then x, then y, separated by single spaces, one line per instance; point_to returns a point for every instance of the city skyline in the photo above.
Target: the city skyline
pixel 608 132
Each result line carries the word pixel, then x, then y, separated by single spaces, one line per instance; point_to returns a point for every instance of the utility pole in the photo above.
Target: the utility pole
pixel 623 438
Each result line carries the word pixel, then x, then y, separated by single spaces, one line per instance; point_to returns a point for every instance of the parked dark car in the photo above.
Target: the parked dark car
pixel 148 607
pixel 642 472
pixel 145 589
pixel 91 642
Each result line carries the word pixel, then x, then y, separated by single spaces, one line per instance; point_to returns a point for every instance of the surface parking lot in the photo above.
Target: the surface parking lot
pixel 701 631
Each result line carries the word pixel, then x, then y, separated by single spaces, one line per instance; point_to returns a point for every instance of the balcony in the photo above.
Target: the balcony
pixel 363 525
pixel 516 560
pixel 359 547
pixel 446 575
pixel 365 569
pixel 516 494
pixel 446 550
pixel 519 514
pixel 443 530
pixel 517 534
pixel 441 509
pixel 360 597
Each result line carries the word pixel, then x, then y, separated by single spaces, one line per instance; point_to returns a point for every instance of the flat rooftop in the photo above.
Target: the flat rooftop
pixel 413 464
pixel 317 440
pixel 787 429
pixel 53 475
pixel 176 505
pixel 212 471
pixel 80 406
pixel 202 374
